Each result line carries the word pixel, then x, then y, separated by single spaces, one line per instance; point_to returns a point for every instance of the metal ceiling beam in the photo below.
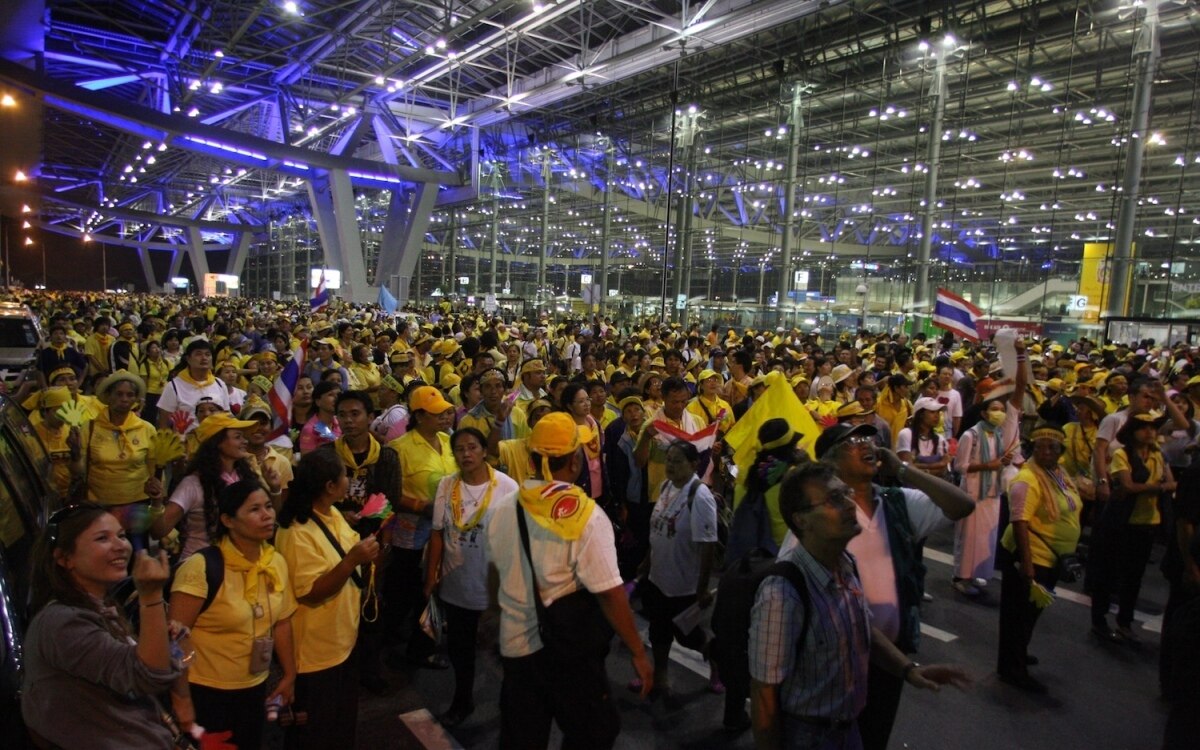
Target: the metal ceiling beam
pixel 237 148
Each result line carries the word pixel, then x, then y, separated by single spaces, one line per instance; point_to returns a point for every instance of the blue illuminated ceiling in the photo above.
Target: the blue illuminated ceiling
pixel 1035 134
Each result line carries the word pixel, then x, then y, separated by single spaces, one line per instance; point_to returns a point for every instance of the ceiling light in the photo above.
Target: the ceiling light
pixel 25 208
pixel 28 240
pixel 20 176
pixel 26 225
pixel 7 101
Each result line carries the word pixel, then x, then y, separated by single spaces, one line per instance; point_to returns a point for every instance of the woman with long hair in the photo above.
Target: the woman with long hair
pixel 155 370
pixel 329 565
pixel 302 403
pixel 172 344
pixel 920 442
pixel 322 427
pixel 651 385
pixel 220 460
pixel 247 618
pixel 457 569
pixel 87 682
pixel 116 456
pixel 576 402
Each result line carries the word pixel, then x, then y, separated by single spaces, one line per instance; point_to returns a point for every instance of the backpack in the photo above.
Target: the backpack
pixel 736 593
pixel 126 597
pixel 750 528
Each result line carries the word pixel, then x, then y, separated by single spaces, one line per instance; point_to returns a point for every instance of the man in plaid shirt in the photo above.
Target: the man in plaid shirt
pixel 807 693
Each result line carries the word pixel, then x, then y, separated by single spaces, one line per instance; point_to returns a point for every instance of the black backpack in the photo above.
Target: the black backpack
pixel 736 593
pixel 126 597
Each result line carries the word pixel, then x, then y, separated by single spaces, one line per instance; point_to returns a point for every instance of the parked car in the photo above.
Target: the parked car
pixel 27 498
pixel 21 336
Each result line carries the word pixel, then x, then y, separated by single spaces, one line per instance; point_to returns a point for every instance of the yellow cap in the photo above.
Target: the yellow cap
pixel 222 420
pixel 555 434
pixel 430 399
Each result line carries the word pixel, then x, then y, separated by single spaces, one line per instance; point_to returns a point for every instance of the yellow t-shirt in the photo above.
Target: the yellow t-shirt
pixel 514 459
pixel 281 463
pixel 1145 507
pixel 156 375
pixel 421 466
pixel 324 634
pixel 1062 533
pixel 715 408
pixel 1077 458
pixel 55 442
pixel 484 424
pixel 117 465
pixel 223 634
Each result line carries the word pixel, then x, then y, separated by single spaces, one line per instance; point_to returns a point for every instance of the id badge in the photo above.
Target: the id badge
pixel 260 654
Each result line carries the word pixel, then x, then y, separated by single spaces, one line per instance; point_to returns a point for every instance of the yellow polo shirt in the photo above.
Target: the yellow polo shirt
pixel 1145 508
pixel 514 459
pixel 1061 533
pixel 324 634
pixel 715 407
pixel 55 442
pixel 421 466
pixel 117 466
pixel 224 634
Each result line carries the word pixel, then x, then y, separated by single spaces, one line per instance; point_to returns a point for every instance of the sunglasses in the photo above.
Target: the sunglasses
pixel 62 514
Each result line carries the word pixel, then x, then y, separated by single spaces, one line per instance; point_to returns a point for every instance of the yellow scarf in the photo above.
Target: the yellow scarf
pixel 186 377
pixel 347 455
pixel 132 422
pixel 237 562
pixel 560 508
pixel 456 509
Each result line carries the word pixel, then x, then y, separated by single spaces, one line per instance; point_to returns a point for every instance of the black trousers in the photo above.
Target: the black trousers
pixel 403 600
pixel 1018 615
pixel 539 689
pixel 661 610
pixel 330 698
pixel 462 625
pixel 879 714
pixel 1119 566
pixel 241 711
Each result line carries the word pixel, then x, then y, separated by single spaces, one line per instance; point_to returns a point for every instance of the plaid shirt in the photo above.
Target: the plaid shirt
pixel 828 677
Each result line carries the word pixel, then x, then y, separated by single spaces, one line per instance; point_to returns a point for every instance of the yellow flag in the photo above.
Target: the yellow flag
pixel 778 400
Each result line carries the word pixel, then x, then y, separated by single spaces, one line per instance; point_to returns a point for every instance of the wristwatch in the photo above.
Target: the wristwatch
pixel 908 668
pixel 902 473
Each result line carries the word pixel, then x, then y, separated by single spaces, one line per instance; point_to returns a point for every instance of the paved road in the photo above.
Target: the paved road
pixel 1101 696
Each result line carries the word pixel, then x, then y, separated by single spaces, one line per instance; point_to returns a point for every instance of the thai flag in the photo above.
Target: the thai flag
pixel 956 315
pixel 321 298
pixel 285 385
pixel 703 440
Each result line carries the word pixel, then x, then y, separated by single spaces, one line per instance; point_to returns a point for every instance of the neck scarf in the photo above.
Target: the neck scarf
pixel 456 509
pixel 347 455
pixel 988 437
pixel 186 376
pixel 237 562
pixel 103 421
pixel 1053 484
pixel 562 509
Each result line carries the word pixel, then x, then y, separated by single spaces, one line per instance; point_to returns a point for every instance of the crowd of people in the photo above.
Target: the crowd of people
pixel 304 498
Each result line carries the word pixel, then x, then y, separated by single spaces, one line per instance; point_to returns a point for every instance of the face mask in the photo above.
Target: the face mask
pixel 996 418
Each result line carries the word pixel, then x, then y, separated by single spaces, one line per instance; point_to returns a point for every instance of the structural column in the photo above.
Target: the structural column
pixel 923 305
pixel 1145 53
pixel 795 123
pixel 404 236
pixel 196 255
pixel 544 250
pixel 606 227
pixel 494 241
pixel 332 198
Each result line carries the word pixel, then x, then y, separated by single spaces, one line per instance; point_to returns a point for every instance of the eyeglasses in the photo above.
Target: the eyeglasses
pixel 859 440
pixel 62 514
pixel 834 499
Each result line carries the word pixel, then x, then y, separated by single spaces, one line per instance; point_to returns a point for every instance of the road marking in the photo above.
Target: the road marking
pixel 937 633
pixel 427 730
pixel 685 657
pixel 1152 623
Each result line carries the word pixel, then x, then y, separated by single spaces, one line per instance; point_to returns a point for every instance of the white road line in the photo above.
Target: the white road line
pixel 937 633
pixel 1153 623
pixel 685 657
pixel 427 730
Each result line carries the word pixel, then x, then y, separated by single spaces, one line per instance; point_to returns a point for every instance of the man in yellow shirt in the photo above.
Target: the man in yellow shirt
pixel 496 416
pixel 649 452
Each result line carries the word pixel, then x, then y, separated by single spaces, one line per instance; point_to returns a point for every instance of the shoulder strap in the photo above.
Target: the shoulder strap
pixel 897 506
pixel 214 573
pixel 537 594
pixel 792 574
pixel 692 492
pixel 358 581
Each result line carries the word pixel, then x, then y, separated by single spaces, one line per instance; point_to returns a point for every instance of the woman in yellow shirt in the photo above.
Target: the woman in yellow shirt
pixel 1126 528
pixel 425 458
pixel 328 565
pixel 155 371
pixel 1044 513
pixel 249 616
pixel 117 457
pixel 365 374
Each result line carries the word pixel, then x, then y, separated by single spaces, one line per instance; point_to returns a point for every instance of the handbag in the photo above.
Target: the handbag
pixel 573 626
pixel 1067 566
pixel 433 621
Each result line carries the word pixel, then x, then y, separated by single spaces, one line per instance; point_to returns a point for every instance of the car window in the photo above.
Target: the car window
pixel 17 333
pixel 24 483
pixel 35 453
pixel 13 530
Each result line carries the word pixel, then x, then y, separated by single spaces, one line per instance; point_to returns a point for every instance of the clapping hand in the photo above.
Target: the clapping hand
pixel 150 573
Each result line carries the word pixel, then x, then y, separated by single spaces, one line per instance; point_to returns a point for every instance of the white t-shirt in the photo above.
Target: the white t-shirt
pixel 675 532
pixel 182 396
pixel 464 556
pixel 189 495
pixel 954 409
pixel 391 424
pixel 935 447
pixel 873 552
pixel 562 567
pixel 1108 429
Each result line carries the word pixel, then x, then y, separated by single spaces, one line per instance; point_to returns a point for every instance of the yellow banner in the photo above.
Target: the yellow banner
pixel 1094 279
